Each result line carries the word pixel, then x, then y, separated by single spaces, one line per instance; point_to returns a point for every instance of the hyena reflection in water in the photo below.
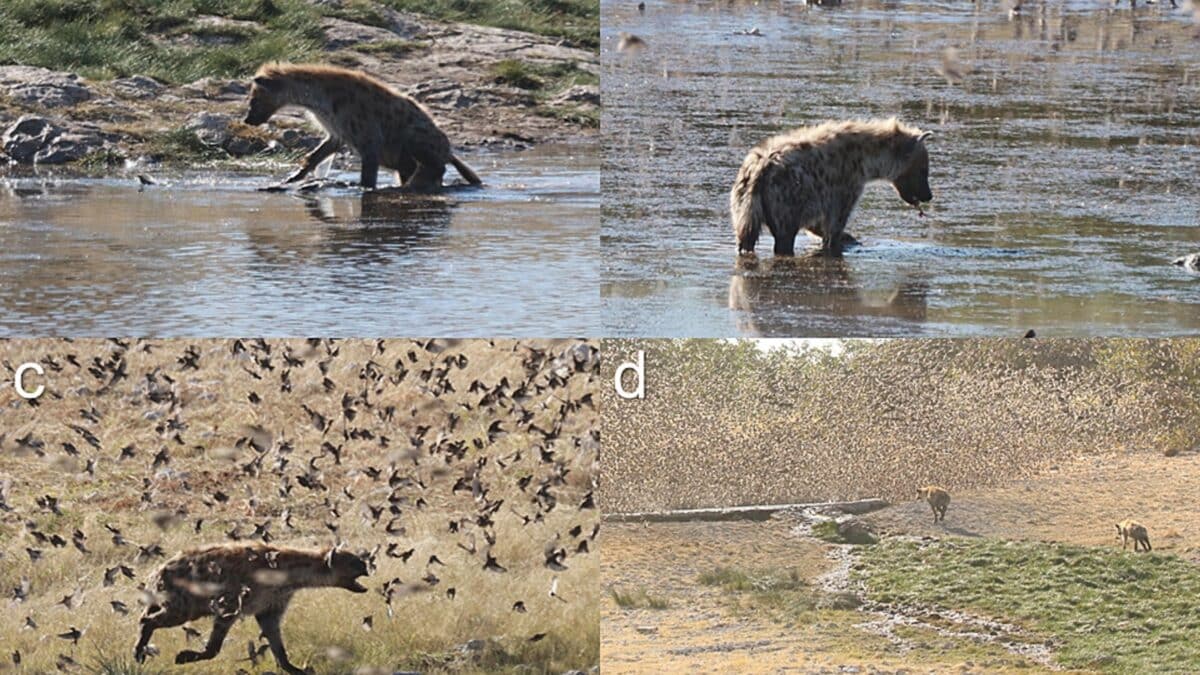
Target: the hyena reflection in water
pixel 811 178
pixel 229 581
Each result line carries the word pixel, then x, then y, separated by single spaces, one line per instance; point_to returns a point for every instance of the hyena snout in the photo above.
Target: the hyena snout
pixel 347 568
pixel 913 187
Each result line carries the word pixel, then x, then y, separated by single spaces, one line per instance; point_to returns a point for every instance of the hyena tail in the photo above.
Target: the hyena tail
pixel 465 171
pixel 747 209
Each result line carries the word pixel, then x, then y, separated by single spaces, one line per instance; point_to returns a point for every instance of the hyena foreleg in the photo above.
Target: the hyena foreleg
pixel 221 626
pixel 155 618
pixel 269 623
pixel 314 158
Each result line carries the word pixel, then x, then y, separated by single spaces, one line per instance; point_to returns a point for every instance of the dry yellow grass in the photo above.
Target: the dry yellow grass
pixel 424 416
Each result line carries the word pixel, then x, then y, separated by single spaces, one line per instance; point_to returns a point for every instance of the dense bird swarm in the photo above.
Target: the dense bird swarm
pixel 725 424
pixel 464 469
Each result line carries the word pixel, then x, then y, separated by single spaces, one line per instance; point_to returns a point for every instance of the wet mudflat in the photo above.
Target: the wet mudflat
pixel 1064 168
pixel 208 254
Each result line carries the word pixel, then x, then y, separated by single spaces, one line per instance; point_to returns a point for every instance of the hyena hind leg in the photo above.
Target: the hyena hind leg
pixel 220 629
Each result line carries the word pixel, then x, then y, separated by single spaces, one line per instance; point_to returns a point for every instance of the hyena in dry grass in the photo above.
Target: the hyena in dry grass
pixel 811 178
pixel 386 128
pixel 1130 529
pixel 939 500
pixel 229 581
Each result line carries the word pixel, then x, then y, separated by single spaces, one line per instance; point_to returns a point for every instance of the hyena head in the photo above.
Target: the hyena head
pixel 346 568
pixel 266 97
pixel 912 181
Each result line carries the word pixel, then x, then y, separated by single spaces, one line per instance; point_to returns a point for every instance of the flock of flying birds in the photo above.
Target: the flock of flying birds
pixel 343 450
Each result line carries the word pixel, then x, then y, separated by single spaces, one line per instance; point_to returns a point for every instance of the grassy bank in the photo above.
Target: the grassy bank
pixel 183 40
pixel 1105 609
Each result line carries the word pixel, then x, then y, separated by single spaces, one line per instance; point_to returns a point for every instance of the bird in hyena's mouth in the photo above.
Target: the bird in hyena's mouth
pixel 812 177
pixel 229 581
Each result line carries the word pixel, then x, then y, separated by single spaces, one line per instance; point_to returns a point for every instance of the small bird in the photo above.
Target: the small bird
pixel 630 43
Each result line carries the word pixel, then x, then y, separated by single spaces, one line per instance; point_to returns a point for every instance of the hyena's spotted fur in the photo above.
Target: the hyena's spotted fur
pixel 385 127
pixel 1132 530
pixel 938 499
pixel 229 581
pixel 811 178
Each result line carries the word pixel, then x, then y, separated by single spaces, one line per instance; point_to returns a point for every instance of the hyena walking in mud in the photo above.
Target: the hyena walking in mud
pixel 938 499
pixel 811 178
pixel 386 128
pixel 229 581
pixel 1132 530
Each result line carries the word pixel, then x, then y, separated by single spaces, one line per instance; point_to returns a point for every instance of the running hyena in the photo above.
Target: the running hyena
pixel 939 500
pixel 229 581
pixel 810 179
pixel 1129 529
pixel 386 128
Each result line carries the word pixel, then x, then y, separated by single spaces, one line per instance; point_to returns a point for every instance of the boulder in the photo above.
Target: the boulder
pixel 138 87
pixel 42 87
pixel 340 34
pixel 580 94
pixel 37 140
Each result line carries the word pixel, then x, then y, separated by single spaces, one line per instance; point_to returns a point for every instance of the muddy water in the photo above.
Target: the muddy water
pixel 1066 167
pixel 210 255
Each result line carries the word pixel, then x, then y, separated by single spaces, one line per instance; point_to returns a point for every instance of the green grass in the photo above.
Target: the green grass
pixel 576 21
pixel 104 39
pixel 1107 609
pixel 637 599
pixel 542 77
pixel 394 47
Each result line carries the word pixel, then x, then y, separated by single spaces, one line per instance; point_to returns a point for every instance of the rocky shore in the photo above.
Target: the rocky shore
pixel 485 86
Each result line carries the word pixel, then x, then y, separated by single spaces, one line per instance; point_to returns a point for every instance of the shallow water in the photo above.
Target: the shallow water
pixel 1065 168
pixel 210 255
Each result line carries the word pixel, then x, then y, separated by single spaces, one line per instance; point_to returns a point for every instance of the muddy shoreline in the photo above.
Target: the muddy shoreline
pixel 92 126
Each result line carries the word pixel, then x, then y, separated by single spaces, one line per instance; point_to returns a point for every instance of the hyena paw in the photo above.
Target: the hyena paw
pixel 187 656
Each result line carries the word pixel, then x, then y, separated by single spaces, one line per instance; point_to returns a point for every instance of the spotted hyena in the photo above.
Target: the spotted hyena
pixel 939 500
pixel 386 128
pixel 810 179
pixel 230 581
pixel 1130 529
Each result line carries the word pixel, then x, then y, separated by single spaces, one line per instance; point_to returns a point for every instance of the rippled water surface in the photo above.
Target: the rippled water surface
pixel 1065 167
pixel 210 255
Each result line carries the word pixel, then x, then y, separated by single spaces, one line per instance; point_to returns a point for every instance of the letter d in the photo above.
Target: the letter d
pixel 639 371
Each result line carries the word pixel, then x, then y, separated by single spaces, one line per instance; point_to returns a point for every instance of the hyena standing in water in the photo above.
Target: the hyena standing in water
pixel 811 178
pixel 1130 529
pixel 938 499
pixel 386 128
pixel 229 581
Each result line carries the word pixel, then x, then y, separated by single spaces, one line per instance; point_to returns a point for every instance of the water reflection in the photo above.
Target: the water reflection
pixel 818 295
pixel 209 254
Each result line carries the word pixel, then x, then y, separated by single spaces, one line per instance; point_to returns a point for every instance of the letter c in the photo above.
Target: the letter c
pixel 19 381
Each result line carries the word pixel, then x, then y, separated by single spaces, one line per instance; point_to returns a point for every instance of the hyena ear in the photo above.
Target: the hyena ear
pixel 264 82
pixel 329 556
pixel 925 135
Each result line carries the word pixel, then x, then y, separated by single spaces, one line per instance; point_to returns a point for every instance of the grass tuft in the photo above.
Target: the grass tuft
pixel 637 599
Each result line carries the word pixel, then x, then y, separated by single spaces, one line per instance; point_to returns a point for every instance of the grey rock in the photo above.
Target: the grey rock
pixel 43 87
pixel 580 94
pixel 68 147
pixel 240 146
pixel 210 128
pixel 138 87
pixel 28 135
pixel 217 89
pixel 340 33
